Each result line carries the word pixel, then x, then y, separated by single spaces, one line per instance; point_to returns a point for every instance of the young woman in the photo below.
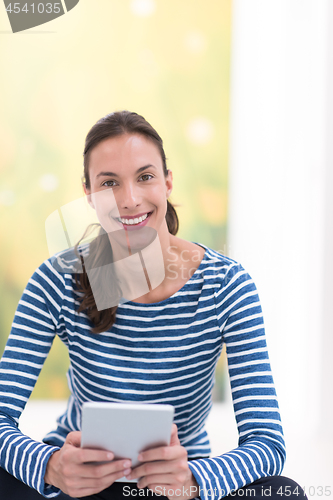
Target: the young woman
pixel 158 346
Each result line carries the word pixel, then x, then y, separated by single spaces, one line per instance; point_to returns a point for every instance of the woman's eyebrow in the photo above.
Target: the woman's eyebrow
pixel 113 174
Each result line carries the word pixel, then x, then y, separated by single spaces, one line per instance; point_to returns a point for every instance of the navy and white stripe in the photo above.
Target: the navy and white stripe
pixel 165 352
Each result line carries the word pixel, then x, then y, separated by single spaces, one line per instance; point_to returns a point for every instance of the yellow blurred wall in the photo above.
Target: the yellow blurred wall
pixel 167 60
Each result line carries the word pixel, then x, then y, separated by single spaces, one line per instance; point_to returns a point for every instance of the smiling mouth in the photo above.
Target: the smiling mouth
pixel 133 221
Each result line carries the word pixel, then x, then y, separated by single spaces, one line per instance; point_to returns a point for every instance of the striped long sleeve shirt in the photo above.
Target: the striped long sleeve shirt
pixel 163 352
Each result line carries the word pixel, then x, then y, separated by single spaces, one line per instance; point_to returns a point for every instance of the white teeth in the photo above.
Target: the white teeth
pixel 130 222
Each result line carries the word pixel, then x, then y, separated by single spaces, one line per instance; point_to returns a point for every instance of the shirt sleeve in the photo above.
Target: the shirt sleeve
pixel 261 448
pixel 28 345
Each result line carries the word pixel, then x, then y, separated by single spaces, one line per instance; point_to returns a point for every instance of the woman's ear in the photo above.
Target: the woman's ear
pixel 169 183
pixel 87 192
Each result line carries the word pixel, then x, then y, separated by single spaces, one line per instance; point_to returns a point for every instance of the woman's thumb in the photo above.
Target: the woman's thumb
pixel 74 438
pixel 174 440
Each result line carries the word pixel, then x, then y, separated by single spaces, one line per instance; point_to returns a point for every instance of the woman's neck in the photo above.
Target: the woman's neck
pixel 156 270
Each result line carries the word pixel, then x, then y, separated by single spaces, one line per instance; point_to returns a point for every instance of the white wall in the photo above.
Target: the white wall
pixel 281 195
pixel 327 351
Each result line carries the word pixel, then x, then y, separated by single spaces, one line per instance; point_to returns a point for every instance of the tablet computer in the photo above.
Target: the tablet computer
pixel 126 429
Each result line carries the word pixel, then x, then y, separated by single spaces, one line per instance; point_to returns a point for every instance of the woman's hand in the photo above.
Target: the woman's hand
pixel 78 471
pixel 165 471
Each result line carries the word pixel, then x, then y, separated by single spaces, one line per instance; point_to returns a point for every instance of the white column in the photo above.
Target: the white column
pixel 280 227
pixel 326 382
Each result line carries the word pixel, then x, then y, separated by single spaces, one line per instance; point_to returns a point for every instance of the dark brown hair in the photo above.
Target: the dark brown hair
pixel 113 125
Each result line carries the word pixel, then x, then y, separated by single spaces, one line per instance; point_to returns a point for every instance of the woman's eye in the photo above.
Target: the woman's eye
pixel 108 183
pixel 146 177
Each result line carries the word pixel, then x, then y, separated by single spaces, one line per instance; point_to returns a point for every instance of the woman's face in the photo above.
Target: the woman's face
pixel 128 187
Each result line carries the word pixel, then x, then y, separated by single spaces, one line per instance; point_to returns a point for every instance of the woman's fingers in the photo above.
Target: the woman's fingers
pixel 174 440
pixel 78 487
pixel 82 455
pixel 164 459
pixel 94 469
pixel 88 479
pixel 104 470
pixel 81 472
pixel 150 468
pixel 163 473
pixel 163 453
pixel 161 479
pixel 101 482
pixel 85 455
pixel 74 438
pixel 165 470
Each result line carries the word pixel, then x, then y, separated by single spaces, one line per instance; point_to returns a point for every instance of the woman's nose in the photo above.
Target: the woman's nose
pixel 129 197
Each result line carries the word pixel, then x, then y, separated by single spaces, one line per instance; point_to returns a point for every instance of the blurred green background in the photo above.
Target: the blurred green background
pixel 167 60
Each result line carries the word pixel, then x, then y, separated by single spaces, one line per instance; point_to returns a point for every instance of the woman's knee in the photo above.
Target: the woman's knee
pixel 272 488
pixel 13 489
pixel 283 486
